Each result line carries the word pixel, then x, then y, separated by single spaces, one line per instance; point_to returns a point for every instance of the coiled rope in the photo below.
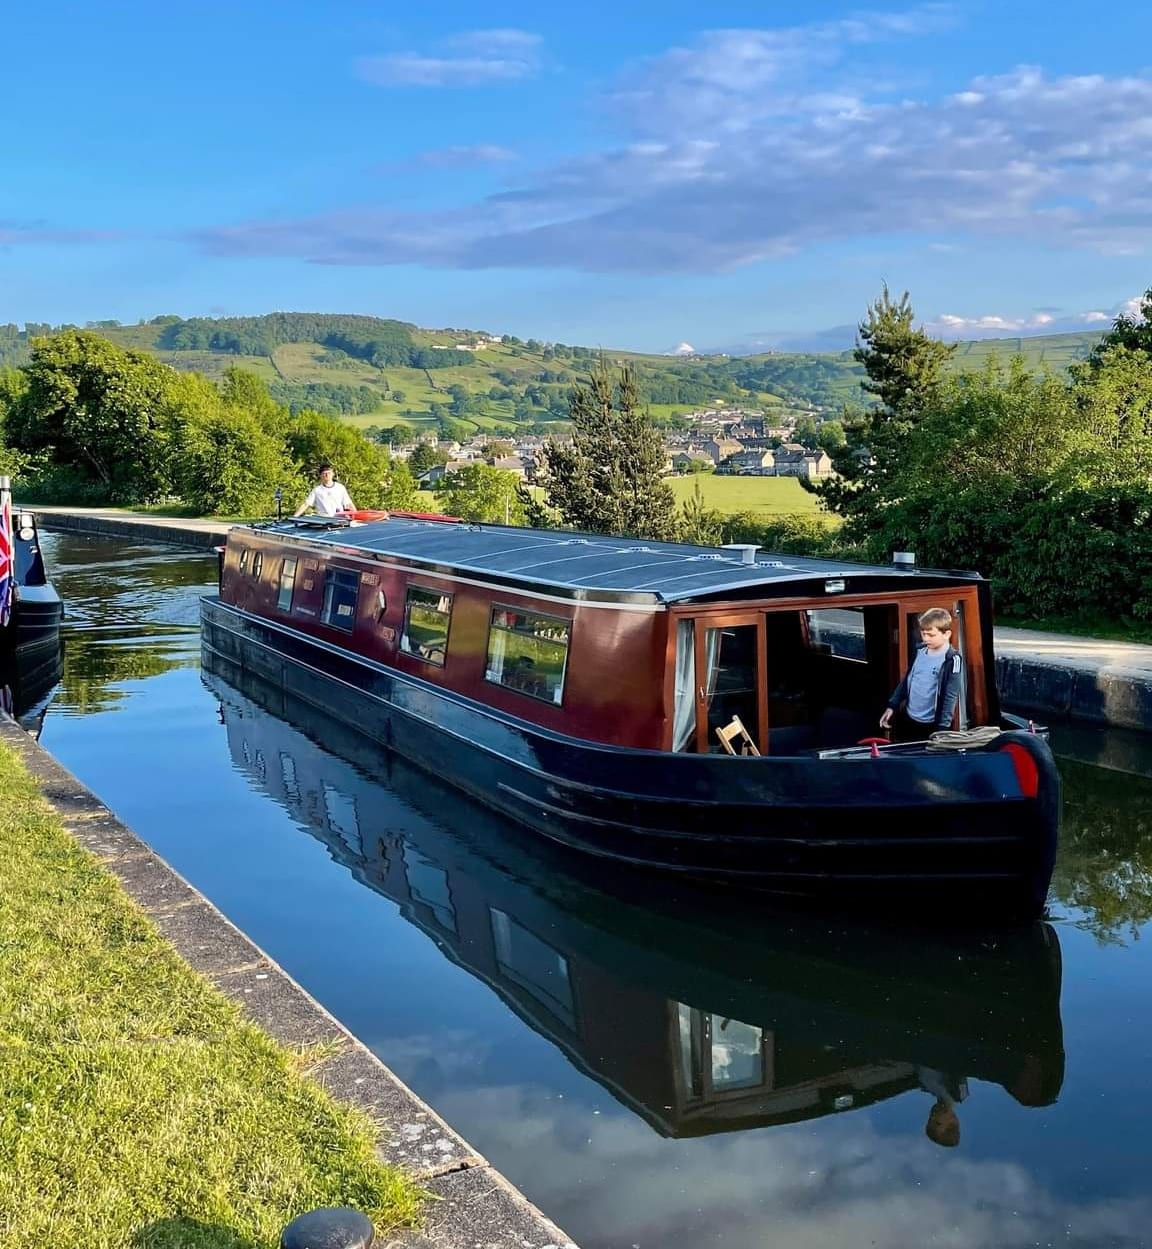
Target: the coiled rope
pixel 963 739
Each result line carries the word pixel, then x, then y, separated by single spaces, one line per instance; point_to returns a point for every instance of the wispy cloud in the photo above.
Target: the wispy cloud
pixel 16 233
pixel 471 59
pixel 749 144
pixel 463 154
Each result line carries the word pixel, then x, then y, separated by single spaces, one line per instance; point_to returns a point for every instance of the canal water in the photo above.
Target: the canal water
pixel 652 1066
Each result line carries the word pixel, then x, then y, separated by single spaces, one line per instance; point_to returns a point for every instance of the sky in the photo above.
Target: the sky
pixel 636 175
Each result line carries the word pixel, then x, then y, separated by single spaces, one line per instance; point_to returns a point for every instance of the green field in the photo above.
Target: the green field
pixel 768 496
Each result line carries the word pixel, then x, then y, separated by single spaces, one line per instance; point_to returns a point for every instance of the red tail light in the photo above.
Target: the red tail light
pixel 1027 773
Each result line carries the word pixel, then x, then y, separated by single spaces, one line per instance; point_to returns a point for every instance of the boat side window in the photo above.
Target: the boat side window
pixel 287 583
pixel 528 653
pixel 257 563
pixel 427 616
pixel 243 559
pixel 341 589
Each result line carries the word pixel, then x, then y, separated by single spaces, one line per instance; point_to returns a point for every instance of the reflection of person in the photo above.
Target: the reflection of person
pixel 943 1126
pixel 925 700
pixel 327 497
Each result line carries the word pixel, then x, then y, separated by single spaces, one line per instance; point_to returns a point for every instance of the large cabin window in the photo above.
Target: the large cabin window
pixel 427 617
pixel 528 653
pixel 287 583
pixel 341 590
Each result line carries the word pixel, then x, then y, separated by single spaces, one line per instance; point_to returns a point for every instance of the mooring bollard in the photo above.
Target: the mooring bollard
pixel 336 1227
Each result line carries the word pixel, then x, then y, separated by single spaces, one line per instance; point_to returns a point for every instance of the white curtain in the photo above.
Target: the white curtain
pixel 684 717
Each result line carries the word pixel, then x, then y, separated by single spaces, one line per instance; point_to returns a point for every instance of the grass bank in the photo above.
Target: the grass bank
pixel 138 1110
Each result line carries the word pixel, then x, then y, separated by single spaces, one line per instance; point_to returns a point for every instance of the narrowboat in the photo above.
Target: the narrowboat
pixel 701 1013
pixel 31 610
pixel 579 684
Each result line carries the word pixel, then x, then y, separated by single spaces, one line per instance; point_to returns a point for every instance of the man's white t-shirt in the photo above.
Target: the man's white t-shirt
pixel 328 500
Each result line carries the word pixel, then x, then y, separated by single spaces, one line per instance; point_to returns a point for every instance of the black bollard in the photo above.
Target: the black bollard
pixel 336 1227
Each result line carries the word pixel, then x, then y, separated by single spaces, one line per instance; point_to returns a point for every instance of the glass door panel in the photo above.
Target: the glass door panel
pixel 733 683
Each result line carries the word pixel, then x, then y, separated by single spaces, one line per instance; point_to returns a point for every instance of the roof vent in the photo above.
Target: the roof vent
pixel 745 550
pixel 904 559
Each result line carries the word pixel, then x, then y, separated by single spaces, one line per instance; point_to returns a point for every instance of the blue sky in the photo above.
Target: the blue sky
pixel 635 175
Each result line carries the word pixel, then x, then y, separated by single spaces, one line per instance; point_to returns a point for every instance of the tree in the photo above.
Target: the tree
pixel 400 434
pixel 699 524
pixel 609 478
pixel 363 466
pixel 904 369
pixel 480 492
pixel 398 396
pixel 95 410
pixel 425 456
pixel 1131 332
pixel 400 492
pixel 228 462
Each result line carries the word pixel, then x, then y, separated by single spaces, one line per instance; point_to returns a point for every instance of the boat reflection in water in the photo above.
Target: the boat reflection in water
pixel 701 1011
pixel 27 682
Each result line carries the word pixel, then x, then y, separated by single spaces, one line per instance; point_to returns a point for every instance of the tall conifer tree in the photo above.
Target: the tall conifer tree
pixel 609 479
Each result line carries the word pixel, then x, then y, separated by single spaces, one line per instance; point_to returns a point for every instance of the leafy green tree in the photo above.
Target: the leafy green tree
pixel 480 492
pixel 95 410
pixel 400 490
pixel 244 390
pixel 228 461
pixel 830 436
pixel 609 479
pixel 362 465
pixel 401 434
pixel 425 456
pixel 398 396
pixel 1134 333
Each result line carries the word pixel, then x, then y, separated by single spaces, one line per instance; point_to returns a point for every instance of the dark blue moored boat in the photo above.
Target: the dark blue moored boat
pixel 31 610
pixel 577 683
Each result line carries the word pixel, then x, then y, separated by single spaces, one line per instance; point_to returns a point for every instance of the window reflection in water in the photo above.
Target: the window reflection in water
pixel 534 965
pixel 428 883
pixel 719 1055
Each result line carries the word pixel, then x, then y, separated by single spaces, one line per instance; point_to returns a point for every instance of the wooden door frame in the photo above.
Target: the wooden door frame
pixel 724 620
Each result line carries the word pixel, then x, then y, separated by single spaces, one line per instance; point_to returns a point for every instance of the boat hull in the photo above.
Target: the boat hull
pixel 37 616
pixel 918 831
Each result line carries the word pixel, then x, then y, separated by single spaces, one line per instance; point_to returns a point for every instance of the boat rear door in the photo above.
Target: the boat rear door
pixel 730 665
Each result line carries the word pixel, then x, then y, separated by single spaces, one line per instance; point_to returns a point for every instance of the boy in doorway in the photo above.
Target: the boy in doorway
pixel 925 700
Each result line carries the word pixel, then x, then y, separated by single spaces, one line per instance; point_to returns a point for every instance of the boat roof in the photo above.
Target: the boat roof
pixel 589 566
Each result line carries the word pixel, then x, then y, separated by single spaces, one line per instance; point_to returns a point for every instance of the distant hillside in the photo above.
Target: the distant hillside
pixel 374 371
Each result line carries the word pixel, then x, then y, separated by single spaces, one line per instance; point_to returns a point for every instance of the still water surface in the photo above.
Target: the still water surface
pixel 651 1066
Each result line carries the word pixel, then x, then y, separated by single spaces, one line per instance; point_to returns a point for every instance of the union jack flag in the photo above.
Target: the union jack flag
pixel 6 571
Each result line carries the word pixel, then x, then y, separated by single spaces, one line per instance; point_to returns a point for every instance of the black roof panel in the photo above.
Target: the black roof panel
pixel 588 566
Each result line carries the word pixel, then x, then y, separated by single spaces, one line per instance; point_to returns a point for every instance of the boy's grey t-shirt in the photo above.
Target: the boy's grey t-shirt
pixel 924 685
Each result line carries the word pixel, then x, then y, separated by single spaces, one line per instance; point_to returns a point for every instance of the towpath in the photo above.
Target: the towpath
pixel 1050 675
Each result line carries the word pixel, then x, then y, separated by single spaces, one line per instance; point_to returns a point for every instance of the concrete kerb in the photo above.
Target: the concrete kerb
pixel 471 1202
pixel 199 535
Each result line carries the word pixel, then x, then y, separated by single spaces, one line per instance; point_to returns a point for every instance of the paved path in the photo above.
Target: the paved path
pixel 1047 674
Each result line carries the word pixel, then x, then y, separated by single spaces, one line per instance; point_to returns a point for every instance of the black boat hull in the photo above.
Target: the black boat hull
pixel 920 831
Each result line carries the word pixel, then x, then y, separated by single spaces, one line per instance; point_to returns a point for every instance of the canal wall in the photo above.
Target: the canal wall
pixel 1044 675
pixel 471 1202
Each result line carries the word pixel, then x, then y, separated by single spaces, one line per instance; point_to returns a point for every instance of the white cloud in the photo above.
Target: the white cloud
pixel 467 60
pixel 750 144
pixel 839 1187
pixel 1043 321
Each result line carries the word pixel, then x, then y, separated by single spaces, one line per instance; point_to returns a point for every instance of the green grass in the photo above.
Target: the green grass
pixel 137 1107
pixel 1107 630
pixel 769 496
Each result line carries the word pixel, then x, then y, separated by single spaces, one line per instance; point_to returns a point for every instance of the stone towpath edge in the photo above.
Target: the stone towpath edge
pixel 472 1203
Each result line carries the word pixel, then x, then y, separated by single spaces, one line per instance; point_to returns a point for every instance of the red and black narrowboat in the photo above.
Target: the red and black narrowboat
pixel 31 610
pixel 577 684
